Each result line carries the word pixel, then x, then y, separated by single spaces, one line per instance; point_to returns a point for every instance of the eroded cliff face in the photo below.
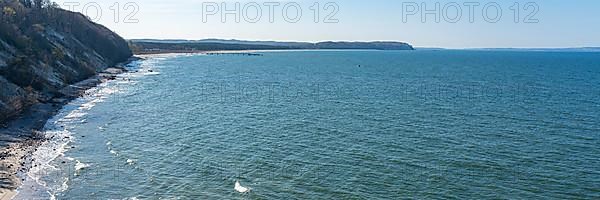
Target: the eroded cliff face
pixel 43 50
pixel 12 98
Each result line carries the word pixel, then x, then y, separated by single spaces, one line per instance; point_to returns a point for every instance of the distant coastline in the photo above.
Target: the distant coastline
pixel 166 46
pixel 151 46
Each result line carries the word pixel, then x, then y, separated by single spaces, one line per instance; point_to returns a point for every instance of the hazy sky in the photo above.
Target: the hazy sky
pixel 463 24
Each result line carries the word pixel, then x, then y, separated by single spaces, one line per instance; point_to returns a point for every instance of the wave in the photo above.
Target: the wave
pixel 151 73
pixel 80 166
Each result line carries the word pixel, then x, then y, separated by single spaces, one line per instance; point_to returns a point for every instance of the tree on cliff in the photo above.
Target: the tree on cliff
pixel 26 3
pixel 39 4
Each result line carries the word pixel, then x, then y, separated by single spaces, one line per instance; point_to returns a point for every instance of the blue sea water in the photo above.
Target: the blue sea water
pixel 332 125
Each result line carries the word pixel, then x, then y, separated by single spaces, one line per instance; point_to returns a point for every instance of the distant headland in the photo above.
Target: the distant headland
pixel 153 46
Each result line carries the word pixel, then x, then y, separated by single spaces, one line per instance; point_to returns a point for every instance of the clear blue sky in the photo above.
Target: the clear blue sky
pixel 562 23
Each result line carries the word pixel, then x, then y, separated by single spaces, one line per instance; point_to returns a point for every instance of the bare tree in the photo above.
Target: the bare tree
pixel 38 4
pixel 26 3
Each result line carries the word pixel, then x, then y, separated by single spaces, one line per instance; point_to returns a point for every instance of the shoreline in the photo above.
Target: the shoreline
pixel 167 52
pixel 22 135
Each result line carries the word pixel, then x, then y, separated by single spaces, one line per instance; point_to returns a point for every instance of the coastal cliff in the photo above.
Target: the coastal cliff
pixel 44 49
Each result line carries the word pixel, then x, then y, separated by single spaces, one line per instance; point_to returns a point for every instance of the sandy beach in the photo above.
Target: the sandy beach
pixel 18 140
pixel 14 164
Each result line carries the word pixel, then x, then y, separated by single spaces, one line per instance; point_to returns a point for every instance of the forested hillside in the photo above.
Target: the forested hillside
pixel 44 48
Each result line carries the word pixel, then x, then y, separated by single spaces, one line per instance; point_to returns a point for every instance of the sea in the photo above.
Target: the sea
pixel 424 124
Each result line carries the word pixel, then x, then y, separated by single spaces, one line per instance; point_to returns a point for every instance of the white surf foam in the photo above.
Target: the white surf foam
pixel 151 73
pixel 80 166
pixel 47 158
